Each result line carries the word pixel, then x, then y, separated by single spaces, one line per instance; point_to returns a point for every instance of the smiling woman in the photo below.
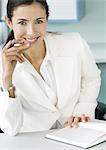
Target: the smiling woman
pixel 28 25
pixel 49 80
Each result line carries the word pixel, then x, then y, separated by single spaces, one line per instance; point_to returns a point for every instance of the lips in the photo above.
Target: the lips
pixel 31 40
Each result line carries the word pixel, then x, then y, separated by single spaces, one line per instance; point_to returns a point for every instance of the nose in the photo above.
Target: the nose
pixel 31 30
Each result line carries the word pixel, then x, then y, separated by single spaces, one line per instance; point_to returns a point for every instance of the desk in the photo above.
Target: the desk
pixel 36 141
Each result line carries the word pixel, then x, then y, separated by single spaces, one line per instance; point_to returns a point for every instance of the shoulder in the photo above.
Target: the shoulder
pixel 66 44
pixel 63 36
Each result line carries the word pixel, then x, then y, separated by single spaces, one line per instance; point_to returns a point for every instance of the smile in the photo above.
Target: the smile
pixel 31 40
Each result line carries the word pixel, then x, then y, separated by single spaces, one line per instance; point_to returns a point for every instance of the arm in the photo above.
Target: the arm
pixel 11 115
pixel 90 84
pixel 89 89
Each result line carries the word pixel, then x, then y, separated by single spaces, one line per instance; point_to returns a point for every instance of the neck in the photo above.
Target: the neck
pixel 36 54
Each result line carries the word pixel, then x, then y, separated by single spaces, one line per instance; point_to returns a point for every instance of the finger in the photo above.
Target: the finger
pixel 14 58
pixel 20 48
pixel 85 118
pixel 8 45
pixel 20 56
pixel 67 123
pixel 13 53
pixel 88 118
pixel 76 121
pixel 70 120
pixel 12 42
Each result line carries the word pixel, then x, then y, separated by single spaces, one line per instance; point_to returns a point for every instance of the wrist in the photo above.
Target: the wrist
pixel 7 82
pixel 10 90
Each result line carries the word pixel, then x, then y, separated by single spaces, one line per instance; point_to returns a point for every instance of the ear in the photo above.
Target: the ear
pixel 9 22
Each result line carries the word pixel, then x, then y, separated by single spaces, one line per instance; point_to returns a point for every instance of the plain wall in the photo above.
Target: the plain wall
pixel 92 26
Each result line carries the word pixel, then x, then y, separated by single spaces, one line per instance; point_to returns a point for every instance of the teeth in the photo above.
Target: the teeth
pixel 31 40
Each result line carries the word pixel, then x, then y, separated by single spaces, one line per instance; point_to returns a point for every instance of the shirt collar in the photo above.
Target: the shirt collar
pixel 47 57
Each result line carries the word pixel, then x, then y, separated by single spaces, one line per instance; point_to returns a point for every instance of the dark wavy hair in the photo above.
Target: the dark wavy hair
pixel 12 4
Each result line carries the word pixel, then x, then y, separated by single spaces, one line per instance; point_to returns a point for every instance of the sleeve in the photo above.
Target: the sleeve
pixel 90 83
pixel 11 116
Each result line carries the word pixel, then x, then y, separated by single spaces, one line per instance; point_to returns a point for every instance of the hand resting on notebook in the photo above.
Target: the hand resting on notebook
pixel 74 120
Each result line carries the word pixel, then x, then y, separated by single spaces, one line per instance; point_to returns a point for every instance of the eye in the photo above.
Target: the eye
pixel 22 23
pixel 38 21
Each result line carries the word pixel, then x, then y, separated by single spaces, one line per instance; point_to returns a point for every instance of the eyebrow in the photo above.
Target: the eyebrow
pixel 28 20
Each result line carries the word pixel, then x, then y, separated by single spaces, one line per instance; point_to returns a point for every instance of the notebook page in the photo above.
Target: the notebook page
pixel 76 136
pixel 96 125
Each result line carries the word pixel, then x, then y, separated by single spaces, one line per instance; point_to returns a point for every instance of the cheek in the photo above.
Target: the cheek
pixel 41 28
pixel 18 33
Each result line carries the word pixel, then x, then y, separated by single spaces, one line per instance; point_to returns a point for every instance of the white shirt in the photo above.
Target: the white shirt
pixel 47 83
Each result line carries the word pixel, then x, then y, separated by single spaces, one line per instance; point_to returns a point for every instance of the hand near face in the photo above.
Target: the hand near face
pixel 73 121
pixel 10 55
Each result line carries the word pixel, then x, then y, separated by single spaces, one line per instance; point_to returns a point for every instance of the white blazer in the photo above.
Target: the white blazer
pixel 77 82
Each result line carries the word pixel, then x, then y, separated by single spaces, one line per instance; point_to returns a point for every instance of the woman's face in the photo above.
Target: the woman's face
pixel 29 22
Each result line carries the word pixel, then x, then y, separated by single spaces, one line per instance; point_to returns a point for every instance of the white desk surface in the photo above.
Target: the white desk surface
pixel 36 141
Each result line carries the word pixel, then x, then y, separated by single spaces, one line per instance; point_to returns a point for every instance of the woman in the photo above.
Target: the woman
pixel 50 80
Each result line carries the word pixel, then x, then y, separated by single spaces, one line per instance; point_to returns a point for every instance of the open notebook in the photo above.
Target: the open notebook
pixel 86 135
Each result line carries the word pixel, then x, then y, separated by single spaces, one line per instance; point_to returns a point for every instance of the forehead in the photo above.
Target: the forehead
pixel 29 11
